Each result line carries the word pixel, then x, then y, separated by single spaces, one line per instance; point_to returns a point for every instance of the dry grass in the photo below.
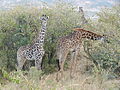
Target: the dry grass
pixel 48 82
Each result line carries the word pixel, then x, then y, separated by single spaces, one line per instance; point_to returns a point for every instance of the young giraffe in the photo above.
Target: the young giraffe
pixel 72 43
pixel 35 51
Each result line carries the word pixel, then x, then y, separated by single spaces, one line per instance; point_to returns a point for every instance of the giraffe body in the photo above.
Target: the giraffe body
pixel 74 40
pixel 35 51
pixel 72 43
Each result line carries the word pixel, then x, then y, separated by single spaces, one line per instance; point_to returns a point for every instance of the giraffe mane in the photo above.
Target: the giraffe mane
pixel 82 30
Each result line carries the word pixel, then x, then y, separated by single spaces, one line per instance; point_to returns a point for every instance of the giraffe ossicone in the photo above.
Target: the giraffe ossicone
pixel 35 51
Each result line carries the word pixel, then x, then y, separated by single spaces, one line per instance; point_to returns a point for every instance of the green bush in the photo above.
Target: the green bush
pixel 20 26
pixel 107 55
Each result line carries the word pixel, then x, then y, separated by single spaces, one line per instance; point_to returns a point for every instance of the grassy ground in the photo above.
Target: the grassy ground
pixel 82 80
pixel 85 81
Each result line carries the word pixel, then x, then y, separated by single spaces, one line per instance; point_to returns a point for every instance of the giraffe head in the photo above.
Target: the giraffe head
pixel 44 18
pixel 104 38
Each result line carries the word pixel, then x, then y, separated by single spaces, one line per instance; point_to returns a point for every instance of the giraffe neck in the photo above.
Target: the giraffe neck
pixel 89 35
pixel 92 36
pixel 41 35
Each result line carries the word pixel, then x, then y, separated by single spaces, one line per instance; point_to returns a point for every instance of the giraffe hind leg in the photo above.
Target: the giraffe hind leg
pixel 21 62
pixel 73 63
pixel 58 65
pixel 61 61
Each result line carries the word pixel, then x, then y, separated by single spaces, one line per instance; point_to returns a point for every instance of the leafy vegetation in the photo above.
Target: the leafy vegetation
pixel 20 26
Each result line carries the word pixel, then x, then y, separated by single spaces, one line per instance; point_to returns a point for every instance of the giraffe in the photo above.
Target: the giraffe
pixel 84 22
pixel 71 43
pixel 83 19
pixel 35 51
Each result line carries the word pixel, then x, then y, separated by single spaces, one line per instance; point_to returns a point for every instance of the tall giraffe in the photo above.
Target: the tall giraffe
pixel 84 22
pixel 71 43
pixel 83 19
pixel 35 51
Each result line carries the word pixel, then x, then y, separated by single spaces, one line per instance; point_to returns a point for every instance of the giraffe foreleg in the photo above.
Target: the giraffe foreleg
pixel 38 60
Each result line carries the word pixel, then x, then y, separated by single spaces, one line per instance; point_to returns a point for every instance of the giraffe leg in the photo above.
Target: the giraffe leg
pixel 38 60
pixel 21 62
pixel 60 72
pixel 38 63
pixel 73 62
pixel 62 58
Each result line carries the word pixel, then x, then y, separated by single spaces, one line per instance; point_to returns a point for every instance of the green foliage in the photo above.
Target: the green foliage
pixel 11 77
pixel 34 73
pixel 20 26
pixel 107 55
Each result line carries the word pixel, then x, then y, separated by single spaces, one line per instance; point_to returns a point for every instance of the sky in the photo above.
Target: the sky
pixel 89 6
